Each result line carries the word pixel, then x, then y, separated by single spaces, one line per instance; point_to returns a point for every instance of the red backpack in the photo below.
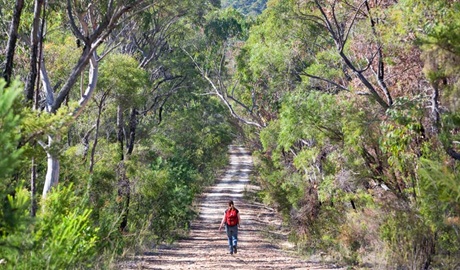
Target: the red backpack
pixel 231 217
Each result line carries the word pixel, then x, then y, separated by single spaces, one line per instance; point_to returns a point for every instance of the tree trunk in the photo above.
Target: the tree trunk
pixel 380 68
pixel 132 131
pixel 96 135
pixel 123 181
pixel 52 172
pixel 13 37
pixel 34 39
pixel 120 136
pixel 124 194
pixel 92 39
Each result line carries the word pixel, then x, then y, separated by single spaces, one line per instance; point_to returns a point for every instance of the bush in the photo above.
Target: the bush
pixel 64 237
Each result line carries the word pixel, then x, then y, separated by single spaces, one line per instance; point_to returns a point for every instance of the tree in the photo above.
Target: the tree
pixel 13 36
pixel 221 39
pixel 95 22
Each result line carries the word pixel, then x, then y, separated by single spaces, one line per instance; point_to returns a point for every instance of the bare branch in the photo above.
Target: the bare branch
pixel 364 80
pixel 329 26
pixel 381 70
pixel 369 62
pixel 383 87
pixel 73 25
pixel 325 80
pixel 352 22
pixel 111 48
pixel 220 93
pixel 338 26
pixel 312 18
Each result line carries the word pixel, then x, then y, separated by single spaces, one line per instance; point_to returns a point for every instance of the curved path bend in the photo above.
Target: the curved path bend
pixel 206 248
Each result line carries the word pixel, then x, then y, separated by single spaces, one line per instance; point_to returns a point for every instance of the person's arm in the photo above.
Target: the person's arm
pixel 239 219
pixel 222 223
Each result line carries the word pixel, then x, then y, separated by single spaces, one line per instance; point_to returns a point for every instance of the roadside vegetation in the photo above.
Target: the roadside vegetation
pixel 114 116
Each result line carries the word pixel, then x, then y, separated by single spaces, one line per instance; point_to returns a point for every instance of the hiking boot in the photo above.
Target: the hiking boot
pixel 234 249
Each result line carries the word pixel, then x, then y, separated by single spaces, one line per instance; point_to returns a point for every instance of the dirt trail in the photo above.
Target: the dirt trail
pixel 206 247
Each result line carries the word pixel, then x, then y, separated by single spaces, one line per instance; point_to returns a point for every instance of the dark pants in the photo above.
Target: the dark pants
pixel 232 235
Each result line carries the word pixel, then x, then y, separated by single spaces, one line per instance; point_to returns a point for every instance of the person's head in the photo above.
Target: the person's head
pixel 230 204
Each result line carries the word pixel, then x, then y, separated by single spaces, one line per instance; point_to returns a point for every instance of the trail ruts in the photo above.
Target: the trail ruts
pixel 206 248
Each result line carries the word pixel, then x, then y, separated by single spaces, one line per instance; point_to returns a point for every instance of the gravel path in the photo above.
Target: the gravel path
pixel 206 247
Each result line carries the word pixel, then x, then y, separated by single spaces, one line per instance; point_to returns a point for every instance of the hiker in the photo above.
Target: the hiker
pixel 231 220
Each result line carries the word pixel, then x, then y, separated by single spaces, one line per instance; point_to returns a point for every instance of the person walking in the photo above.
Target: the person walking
pixel 231 220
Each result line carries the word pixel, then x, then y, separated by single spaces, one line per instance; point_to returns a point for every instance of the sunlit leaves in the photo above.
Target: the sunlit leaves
pixel 310 116
pixel 121 76
pixel 61 56
pixel 65 234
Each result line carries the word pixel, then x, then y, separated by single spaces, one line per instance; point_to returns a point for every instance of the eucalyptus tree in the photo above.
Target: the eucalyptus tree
pixel 122 83
pixel 152 39
pixel 214 58
pixel 90 23
pixel 339 21
pixel 438 41
pixel 355 119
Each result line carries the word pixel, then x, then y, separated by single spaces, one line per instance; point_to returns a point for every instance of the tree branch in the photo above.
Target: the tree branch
pixel 325 80
pixel 220 94
pixel 353 22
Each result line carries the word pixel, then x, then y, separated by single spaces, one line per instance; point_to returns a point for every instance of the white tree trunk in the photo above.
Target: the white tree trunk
pixel 94 32
pixel 52 172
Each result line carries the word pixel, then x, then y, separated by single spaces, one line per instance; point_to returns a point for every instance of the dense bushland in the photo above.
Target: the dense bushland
pixel 125 154
pixel 359 150
pixel 350 108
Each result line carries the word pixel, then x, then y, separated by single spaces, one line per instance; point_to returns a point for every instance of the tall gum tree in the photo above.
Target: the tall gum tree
pixel 222 38
pixel 91 23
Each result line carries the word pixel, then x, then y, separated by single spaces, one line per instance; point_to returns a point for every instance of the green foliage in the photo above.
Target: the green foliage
pixel 342 149
pixel 10 132
pixel 434 22
pixel 14 200
pixel 183 157
pixel 315 112
pixel 225 25
pixel 409 240
pixel 351 179
pixel 64 232
pixel 402 132
pixel 171 163
pixel 439 200
pixel 275 30
pixel 62 55
pixel 61 236
pixel 15 228
pixel 120 74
